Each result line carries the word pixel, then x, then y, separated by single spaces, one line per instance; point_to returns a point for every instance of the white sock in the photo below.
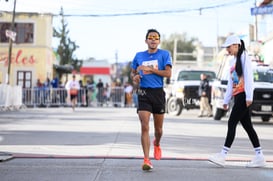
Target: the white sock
pixel 224 151
pixel 258 151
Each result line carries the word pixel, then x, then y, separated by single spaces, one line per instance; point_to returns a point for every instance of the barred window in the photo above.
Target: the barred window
pixel 24 32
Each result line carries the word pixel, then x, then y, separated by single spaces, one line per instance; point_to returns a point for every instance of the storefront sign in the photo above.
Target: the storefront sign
pixel 19 59
pixel 262 10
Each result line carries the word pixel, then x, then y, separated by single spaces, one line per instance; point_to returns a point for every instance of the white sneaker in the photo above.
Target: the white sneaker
pixel 218 159
pixel 257 161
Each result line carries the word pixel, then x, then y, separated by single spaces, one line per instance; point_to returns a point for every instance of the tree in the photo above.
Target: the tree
pixel 126 72
pixel 65 50
pixel 184 45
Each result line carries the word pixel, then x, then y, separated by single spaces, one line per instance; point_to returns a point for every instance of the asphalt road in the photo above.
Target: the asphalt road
pixel 104 144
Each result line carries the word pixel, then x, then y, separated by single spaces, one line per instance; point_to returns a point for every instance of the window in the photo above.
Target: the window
pixel 24 32
pixel 263 75
pixel 195 75
pixel 24 79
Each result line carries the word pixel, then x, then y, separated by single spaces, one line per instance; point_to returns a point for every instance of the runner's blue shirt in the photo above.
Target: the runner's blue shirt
pixel 157 60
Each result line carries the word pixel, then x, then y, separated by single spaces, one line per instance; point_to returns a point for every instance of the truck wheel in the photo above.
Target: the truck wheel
pixel 265 118
pixel 174 106
pixel 218 114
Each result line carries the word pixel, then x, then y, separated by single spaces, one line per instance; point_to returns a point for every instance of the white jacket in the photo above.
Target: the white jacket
pixel 247 75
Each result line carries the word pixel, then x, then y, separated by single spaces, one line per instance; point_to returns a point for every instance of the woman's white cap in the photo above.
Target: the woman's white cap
pixel 231 40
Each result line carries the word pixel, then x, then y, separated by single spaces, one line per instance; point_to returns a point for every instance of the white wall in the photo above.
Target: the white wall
pixel 267 52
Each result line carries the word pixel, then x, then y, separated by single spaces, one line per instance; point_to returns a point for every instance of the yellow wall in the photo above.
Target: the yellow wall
pixel 36 57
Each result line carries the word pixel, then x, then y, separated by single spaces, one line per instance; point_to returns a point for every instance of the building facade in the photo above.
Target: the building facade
pixel 32 56
pixel 96 70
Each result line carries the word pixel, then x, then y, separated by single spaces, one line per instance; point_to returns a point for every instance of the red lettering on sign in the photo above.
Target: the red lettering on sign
pixel 32 59
pixel 17 56
pixel 24 60
pixel 18 59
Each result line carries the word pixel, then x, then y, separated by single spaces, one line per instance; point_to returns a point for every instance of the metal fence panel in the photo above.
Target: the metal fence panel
pixel 41 97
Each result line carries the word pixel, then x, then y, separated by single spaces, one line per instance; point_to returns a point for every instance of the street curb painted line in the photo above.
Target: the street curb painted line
pixel 5 156
pixel 45 156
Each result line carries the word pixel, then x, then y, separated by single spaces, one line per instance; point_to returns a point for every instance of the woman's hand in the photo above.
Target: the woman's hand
pixel 248 103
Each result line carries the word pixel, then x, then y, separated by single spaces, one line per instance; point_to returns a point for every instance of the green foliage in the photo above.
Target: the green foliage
pixel 127 72
pixel 184 45
pixel 66 48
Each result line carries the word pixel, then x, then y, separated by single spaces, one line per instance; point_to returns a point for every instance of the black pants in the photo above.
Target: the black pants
pixel 241 113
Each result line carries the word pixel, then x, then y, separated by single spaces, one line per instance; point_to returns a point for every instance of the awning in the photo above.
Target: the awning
pixel 64 68
pixel 95 70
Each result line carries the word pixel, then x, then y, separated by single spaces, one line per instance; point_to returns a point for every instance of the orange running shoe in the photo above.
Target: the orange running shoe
pixel 157 152
pixel 147 165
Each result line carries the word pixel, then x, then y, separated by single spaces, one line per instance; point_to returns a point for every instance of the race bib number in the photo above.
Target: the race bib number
pixel 151 63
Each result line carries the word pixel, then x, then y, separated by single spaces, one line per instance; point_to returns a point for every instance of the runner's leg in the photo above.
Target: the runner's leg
pixel 144 117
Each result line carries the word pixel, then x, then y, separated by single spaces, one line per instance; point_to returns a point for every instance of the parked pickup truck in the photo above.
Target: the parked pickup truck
pixel 263 93
pixel 182 91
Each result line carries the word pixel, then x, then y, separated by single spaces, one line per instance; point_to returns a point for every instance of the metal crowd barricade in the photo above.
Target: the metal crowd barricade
pixel 44 97
pixel 59 97
pixel 117 96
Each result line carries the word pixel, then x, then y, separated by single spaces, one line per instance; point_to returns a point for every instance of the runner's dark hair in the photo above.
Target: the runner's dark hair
pixel 150 31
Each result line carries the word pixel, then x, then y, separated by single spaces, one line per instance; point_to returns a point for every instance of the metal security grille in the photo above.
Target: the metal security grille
pixel 263 95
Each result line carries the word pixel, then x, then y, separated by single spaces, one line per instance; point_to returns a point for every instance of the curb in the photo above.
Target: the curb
pixel 5 156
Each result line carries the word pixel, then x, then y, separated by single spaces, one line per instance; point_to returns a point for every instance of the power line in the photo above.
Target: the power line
pixel 200 9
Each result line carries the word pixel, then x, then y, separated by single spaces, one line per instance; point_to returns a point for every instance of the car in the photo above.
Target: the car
pixel 263 92
pixel 182 92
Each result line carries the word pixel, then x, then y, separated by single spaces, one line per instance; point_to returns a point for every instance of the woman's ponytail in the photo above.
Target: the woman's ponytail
pixel 238 67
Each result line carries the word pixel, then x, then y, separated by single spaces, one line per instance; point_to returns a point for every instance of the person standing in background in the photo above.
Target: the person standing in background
pixel 55 91
pixel 128 89
pixel 106 93
pixel 135 99
pixel 100 87
pixel 91 91
pixel 47 87
pixel 240 86
pixel 55 82
pixel 148 70
pixel 204 91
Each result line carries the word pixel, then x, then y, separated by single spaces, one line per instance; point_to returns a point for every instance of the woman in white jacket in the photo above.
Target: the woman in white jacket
pixel 240 86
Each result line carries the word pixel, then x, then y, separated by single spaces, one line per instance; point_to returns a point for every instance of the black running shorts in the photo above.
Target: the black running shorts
pixel 73 97
pixel 152 100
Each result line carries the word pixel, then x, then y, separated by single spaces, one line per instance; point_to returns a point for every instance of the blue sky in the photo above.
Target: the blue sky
pixel 103 36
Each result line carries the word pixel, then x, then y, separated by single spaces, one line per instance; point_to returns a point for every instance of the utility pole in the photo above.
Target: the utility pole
pixel 117 69
pixel 256 23
pixel 175 51
pixel 217 32
pixel 10 42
